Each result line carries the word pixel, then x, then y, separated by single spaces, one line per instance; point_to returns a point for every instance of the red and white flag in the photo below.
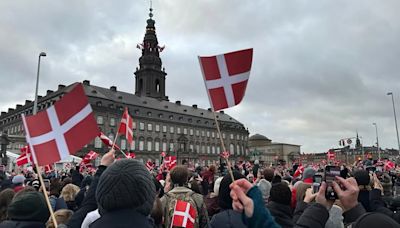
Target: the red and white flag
pixel 226 77
pixel 90 156
pixel 130 155
pixel 299 171
pixel 24 158
pixel 163 154
pixel 184 215
pixel 149 165
pixel 126 126
pixel 170 162
pixel 48 168
pixel 62 129
pixel 331 155
pixel 107 141
pixel 389 165
pixel 225 154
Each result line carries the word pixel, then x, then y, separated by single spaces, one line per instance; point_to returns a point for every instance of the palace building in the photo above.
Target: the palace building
pixel 187 131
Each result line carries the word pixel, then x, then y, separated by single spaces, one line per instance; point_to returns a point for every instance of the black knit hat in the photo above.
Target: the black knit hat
pixel 29 206
pixel 224 197
pixel 362 177
pixel 126 184
pixel 280 193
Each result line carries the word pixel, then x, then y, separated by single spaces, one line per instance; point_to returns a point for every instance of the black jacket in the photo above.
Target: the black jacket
pixel 89 202
pixel 22 224
pixel 282 214
pixel 227 218
pixel 125 218
pixel 314 216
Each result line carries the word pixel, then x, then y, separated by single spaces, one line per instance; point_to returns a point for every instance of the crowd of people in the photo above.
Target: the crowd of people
pixel 124 193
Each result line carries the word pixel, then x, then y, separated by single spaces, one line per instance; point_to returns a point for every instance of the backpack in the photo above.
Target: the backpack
pixel 171 199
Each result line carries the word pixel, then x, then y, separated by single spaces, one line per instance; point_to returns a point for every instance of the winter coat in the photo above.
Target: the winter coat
pixel 22 224
pixel 211 201
pixel 282 214
pixel 125 218
pixel 227 219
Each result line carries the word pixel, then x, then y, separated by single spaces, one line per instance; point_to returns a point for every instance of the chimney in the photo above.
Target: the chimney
pixel 61 86
pixel 3 113
pixel 222 112
pixel 19 106
pixel 39 96
pixel 209 109
pixel 113 88
pixel 194 106
pixel 178 102
pixel 86 82
pixel 27 102
pixel 10 109
pixel 49 92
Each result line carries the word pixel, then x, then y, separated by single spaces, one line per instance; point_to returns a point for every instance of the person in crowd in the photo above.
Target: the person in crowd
pixel 56 201
pixel 62 217
pixel 18 183
pixel 344 171
pixel 68 193
pixel 268 174
pixel 363 180
pixel 256 167
pixel 157 213
pixel 6 197
pixel 27 209
pixel 208 179
pixel 227 217
pixel 85 184
pixel 211 200
pixel 76 176
pixel 265 188
pixel 178 180
pixel 279 204
pixel 5 182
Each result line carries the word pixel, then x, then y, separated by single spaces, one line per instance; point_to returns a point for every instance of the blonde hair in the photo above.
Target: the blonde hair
pixel 62 217
pixel 69 192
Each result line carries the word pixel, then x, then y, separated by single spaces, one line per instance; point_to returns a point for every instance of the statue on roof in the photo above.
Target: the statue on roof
pixel 4 142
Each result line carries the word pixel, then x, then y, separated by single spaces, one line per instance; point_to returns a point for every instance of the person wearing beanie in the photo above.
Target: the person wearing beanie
pixel 308 175
pixel 125 195
pixel 18 183
pixel 227 217
pixel 27 209
pixel 279 204
pixel 265 188
pixel 179 177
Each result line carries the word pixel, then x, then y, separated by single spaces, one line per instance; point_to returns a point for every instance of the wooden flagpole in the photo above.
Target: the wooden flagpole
pixel 116 136
pixel 39 173
pixel 223 146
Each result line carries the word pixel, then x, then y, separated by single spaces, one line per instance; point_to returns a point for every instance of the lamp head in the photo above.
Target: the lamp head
pixel 42 54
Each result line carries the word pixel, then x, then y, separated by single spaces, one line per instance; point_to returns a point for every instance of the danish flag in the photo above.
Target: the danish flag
pixel 226 77
pixel 130 155
pixel 90 156
pixel 299 171
pixel 48 168
pixel 149 165
pixel 225 154
pixel 170 162
pixel 126 126
pixel 24 158
pixel 389 165
pixel 331 155
pixel 62 129
pixel 107 140
pixel 184 215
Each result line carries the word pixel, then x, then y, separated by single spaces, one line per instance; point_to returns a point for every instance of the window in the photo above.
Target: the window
pixel 191 131
pixel 217 135
pixel 157 146
pixel 231 136
pixel 164 146
pixel 149 144
pixel 178 130
pixel 149 127
pixel 237 137
pixel 141 126
pixel 123 144
pixel 223 135
pixel 171 129
pixel 197 132
pixel 208 134
pixel 185 131
pixel 191 147
pixel 202 133
pixel 111 136
pixel 218 150
pixel 232 148
pixel 212 134
pixel 97 142
pixel 171 146
pixel 141 144
pixel 133 145
pixel 197 148
pixel 208 149
pixel 164 128
pixel 171 117
pixel 157 128
pixel 237 149
pixel 203 149
pixel 112 121
pixel 100 120
pixel 213 149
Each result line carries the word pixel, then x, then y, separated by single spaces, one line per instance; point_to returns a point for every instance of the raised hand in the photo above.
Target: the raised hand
pixel 347 196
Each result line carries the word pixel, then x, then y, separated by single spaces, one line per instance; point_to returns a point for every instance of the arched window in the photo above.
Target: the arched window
pixel 157 145
pixel 141 144
pixel 157 85
pixel 237 149
pixel 164 145
pixel 149 144
pixel 232 149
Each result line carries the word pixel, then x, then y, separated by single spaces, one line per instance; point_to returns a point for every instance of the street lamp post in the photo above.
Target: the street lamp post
pixel 37 84
pixel 377 140
pixel 395 120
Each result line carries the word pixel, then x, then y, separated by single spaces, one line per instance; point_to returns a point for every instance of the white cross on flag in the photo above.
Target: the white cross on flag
pixel 90 156
pixel 24 158
pixel 107 140
pixel 184 215
pixel 226 77
pixel 126 126
pixel 62 129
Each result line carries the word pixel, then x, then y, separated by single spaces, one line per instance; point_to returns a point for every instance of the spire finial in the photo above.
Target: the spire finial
pixel 151 9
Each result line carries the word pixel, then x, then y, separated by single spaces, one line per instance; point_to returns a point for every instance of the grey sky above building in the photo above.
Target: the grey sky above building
pixel 321 69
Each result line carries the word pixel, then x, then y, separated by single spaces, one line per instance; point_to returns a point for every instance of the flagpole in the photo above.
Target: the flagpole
pixel 115 140
pixel 39 173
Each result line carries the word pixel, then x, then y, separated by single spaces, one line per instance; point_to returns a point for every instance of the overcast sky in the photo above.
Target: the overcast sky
pixel 321 69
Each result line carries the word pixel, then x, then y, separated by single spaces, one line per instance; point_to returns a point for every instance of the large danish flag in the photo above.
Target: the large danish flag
pixel 226 77
pixel 126 126
pixel 62 129
pixel 184 215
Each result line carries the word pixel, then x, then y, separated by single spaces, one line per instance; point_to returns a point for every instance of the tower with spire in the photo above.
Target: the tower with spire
pixel 150 75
